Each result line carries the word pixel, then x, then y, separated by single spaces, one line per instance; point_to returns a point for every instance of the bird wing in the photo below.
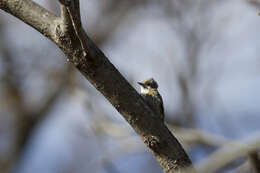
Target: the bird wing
pixel 161 105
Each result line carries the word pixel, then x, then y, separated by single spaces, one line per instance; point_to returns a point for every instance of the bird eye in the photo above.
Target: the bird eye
pixel 149 85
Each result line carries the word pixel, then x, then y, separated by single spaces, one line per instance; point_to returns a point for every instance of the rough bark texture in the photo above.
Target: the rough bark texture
pixel 254 162
pixel 98 70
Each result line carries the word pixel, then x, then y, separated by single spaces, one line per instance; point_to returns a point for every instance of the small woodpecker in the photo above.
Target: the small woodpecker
pixel 152 97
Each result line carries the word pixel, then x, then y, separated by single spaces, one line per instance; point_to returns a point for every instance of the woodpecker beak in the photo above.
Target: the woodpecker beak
pixel 140 83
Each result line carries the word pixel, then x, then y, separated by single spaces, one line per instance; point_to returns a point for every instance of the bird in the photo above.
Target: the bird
pixel 152 97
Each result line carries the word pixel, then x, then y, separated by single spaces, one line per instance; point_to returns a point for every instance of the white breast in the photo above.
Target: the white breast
pixel 144 90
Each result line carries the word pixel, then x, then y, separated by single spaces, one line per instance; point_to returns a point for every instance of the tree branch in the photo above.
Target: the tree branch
pixel 32 14
pixel 106 78
pixel 229 153
pixel 73 11
pixel 254 162
pixel 191 135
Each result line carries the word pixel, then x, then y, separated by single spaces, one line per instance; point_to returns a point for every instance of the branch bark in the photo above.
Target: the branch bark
pixel 99 71
pixel 254 162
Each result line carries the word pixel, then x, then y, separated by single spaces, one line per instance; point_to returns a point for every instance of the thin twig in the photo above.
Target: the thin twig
pixel 229 153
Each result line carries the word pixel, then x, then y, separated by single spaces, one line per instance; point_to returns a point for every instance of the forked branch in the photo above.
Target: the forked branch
pixel 99 71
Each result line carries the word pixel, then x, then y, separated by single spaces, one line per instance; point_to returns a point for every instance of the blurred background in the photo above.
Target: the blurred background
pixel 203 53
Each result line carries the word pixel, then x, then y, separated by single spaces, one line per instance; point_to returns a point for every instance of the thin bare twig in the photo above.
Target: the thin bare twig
pixel 229 153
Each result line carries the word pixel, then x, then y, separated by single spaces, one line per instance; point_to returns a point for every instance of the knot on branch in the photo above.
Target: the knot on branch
pixel 76 58
pixel 63 39
pixel 152 142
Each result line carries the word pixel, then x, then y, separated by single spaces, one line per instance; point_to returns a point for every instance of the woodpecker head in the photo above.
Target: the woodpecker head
pixel 148 85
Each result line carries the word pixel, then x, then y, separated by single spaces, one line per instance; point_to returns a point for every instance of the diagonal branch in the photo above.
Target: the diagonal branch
pixel 32 14
pixel 229 153
pixel 103 75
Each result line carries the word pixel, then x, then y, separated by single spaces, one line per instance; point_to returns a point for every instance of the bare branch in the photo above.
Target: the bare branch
pixel 99 71
pixel 198 136
pixel 229 153
pixel 32 14
pixel 242 168
pixel 254 162
pixel 255 3
pixel 74 14
pixel 65 18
